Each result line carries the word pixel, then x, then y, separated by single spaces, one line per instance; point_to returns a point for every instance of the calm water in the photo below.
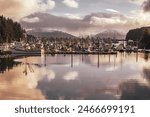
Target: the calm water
pixel 121 76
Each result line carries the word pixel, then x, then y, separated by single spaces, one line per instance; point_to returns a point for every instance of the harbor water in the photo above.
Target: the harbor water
pixel 73 77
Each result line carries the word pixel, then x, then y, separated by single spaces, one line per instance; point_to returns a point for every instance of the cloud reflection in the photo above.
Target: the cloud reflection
pixel 71 75
pixel 14 85
pixel 118 77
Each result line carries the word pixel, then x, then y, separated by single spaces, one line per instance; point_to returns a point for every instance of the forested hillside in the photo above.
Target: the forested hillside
pixel 10 30
pixel 140 35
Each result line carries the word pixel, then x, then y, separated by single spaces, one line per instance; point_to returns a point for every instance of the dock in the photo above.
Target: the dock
pixel 5 54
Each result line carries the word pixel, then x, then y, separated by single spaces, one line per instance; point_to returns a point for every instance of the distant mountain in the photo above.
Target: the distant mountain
pixel 50 34
pixel 113 34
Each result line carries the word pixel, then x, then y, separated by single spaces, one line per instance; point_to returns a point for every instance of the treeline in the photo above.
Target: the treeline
pixel 10 30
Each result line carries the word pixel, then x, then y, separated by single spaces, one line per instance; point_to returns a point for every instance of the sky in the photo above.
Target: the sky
pixel 78 16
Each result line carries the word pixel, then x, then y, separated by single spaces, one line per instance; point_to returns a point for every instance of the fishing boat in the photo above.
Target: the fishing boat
pixel 23 51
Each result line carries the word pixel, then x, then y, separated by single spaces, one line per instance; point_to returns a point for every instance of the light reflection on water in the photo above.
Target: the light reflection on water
pixel 121 76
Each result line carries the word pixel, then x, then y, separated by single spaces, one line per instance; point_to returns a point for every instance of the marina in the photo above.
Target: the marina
pixel 64 69
pixel 75 50
pixel 76 46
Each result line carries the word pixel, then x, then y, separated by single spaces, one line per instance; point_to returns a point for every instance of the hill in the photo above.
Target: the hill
pixel 50 34
pixel 140 36
pixel 113 34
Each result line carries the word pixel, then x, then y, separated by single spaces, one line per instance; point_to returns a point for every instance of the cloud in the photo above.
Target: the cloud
pixel 138 2
pixel 51 4
pixel 72 16
pixel 144 3
pixel 104 15
pixel 112 10
pixel 141 17
pixel 89 24
pixel 146 6
pixel 19 8
pixel 49 21
pixel 31 20
pixel 108 21
pixel 71 3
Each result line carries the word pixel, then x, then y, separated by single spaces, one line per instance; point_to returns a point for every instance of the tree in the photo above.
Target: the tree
pixel 9 30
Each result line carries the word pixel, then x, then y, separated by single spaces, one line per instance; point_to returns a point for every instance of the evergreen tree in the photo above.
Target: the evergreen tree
pixel 9 30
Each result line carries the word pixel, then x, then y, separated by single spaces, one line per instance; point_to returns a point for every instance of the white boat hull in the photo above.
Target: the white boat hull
pixel 27 52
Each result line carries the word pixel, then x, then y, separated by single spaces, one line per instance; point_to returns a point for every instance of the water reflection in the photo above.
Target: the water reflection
pixel 146 73
pixel 135 90
pixel 7 64
pixel 146 56
pixel 15 85
pixel 122 76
